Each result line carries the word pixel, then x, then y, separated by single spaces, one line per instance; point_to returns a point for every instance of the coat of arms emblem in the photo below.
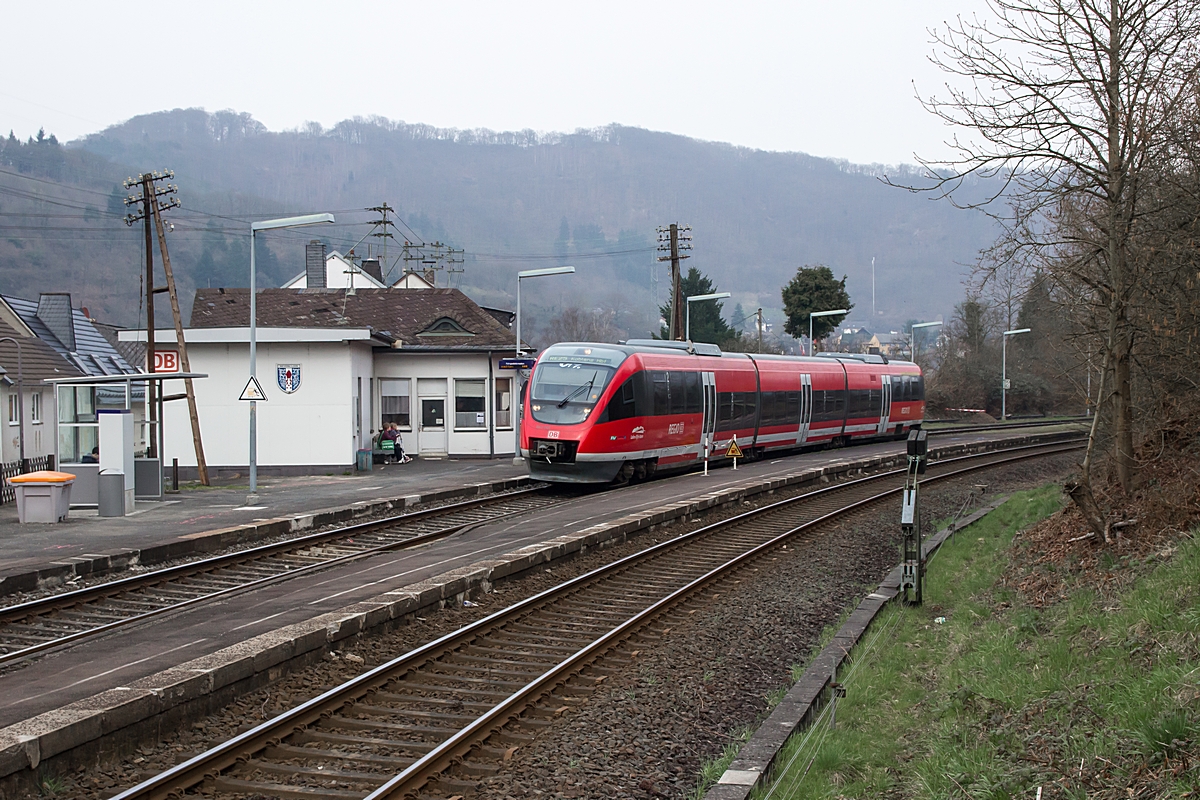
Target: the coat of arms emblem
pixel 288 377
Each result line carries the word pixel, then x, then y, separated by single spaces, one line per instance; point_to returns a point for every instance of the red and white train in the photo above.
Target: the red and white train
pixel 604 413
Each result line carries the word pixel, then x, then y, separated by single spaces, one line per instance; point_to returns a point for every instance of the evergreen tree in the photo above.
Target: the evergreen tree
pixel 813 289
pixel 707 324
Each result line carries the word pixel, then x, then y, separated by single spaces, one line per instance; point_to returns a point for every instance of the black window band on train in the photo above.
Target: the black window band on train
pixel 655 393
pixel 652 393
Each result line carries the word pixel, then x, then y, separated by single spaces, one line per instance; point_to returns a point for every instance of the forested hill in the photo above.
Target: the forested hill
pixel 511 200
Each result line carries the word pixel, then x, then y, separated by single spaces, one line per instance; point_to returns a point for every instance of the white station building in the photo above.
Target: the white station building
pixel 335 366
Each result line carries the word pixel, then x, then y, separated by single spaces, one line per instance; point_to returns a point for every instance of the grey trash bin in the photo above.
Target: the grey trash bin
pixel 111 489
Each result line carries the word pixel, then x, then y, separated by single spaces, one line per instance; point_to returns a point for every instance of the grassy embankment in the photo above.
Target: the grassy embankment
pixel 981 694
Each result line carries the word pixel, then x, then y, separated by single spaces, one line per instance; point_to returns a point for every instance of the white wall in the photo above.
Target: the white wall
pixel 313 426
pixel 316 426
pixel 337 276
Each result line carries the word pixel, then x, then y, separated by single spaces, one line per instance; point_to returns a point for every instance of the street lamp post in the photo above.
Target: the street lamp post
pixel 1004 371
pixel 688 325
pixel 529 273
pixel 20 400
pixel 811 348
pixel 255 227
pixel 914 336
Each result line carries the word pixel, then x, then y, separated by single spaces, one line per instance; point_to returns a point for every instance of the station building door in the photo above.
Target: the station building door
pixel 431 436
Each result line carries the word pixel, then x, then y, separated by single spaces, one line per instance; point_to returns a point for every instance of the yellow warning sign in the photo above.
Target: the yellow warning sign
pixel 734 451
pixel 253 390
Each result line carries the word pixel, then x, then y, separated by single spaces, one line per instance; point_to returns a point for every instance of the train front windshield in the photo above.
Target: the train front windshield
pixel 569 381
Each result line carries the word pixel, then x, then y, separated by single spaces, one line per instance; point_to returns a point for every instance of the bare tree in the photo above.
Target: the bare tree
pixel 1070 103
pixel 574 324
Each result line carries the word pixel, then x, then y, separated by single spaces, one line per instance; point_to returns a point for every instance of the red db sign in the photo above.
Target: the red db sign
pixel 166 361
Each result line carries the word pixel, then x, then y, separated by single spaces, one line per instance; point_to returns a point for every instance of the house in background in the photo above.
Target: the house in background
pixel 69 332
pixel 335 366
pixel 892 344
pixel 36 407
pixel 335 271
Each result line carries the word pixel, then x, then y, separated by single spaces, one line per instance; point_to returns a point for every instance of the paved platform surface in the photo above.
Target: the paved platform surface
pixel 198 510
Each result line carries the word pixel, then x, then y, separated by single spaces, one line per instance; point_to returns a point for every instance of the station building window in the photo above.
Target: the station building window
pixel 395 401
pixel 503 403
pixel 35 408
pixel 470 405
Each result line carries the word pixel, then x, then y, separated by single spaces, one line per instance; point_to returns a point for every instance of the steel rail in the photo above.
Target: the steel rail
pixel 162 578
pixel 243 746
pixel 1000 426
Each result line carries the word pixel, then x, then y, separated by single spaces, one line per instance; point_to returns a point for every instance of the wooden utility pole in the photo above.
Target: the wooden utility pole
pixel 672 240
pixel 151 209
pixel 151 403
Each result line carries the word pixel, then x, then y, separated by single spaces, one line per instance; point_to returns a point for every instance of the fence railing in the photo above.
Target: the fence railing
pixel 12 469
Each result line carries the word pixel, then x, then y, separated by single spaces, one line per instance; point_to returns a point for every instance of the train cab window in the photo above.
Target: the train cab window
pixel 691 384
pixel 660 387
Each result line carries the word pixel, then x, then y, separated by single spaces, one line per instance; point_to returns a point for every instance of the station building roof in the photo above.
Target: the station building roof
pixel 414 319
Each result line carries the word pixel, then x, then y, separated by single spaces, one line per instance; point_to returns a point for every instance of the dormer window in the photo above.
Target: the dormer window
pixel 445 326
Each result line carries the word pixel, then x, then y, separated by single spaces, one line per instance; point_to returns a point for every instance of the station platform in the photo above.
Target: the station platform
pixel 201 519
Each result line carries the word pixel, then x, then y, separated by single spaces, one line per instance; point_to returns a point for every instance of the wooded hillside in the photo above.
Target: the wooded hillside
pixel 510 200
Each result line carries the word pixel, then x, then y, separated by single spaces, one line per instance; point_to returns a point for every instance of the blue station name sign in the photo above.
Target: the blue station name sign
pixel 517 363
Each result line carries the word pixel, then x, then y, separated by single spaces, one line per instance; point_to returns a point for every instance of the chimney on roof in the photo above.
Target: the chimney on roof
pixel 372 267
pixel 54 310
pixel 314 264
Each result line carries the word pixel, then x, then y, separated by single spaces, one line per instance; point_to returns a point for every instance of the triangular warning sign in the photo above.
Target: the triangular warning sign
pixel 253 390
pixel 734 451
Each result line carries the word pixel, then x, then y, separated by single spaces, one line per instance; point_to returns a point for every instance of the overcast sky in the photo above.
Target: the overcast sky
pixel 832 79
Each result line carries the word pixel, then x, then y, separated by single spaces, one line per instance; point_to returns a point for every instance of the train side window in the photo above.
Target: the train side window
pixel 623 404
pixel 724 411
pixel 743 409
pixel 835 404
pixel 791 414
pixel 691 382
pixel 660 392
pixel 818 405
pixel 919 387
pixel 678 393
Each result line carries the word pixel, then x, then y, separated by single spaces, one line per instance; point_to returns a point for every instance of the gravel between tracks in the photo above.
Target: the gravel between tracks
pixel 647 733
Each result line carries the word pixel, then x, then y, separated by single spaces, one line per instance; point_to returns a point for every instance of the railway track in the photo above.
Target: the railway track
pixel 31 628
pixel 434 721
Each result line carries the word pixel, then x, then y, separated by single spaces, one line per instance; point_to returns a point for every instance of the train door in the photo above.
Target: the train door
pixel 805 407
pixel 708 381
pixel 885 411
